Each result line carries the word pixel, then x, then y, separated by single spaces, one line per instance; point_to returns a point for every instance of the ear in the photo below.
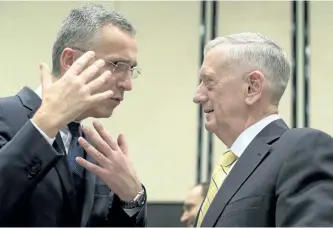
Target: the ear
pixel 255 84
pixel 67 58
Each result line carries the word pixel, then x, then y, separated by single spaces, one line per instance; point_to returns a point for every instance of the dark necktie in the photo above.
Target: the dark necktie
pixel 75 149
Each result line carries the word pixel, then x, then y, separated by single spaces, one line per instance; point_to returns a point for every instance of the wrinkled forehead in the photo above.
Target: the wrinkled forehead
pixel 117 45
pixel 215 59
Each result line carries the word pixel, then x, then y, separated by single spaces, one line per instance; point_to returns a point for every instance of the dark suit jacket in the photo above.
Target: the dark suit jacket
pixel 283 178
pixel 35 184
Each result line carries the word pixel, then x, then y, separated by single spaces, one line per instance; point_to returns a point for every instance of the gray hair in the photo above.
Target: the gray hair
pixel 254 51
pixel 82 26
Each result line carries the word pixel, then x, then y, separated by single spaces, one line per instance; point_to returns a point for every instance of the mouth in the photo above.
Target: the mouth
pixel 190 224
pixel 118 99
pixel 208 110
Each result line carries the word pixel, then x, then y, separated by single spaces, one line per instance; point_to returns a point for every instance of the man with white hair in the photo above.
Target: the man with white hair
pixel 272 175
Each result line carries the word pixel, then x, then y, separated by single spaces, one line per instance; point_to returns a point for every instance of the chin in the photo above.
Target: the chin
pixel 210 126
pixel 102 113
pixel 190 224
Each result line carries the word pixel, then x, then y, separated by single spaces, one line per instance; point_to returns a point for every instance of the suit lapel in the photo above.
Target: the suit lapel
pixel 90 180
pixel 32 101
pixel 237 176
pixel 89 195
pixel 253 155
pixel 63 171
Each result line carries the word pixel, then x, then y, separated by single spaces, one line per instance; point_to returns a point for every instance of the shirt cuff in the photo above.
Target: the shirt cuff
pixel 132 211
pixel 49 140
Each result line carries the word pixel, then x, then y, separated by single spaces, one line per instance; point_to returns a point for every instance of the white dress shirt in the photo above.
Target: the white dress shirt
pixel 247 136
pixel 66 138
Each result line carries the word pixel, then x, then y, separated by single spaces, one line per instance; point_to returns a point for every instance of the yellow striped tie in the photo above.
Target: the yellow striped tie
pixel 219 174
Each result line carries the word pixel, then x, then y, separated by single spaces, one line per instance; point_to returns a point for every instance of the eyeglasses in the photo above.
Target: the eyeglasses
pixel 119 68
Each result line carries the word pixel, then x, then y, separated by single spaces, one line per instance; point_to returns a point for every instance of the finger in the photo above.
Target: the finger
pixel 99 97
pixel 46 76
pixel 122 144
pixel 98 156
pixel 80 64
pixel 96 83
pixel 90 166
pixel 90 73
pixel 97 141
pixel 105 135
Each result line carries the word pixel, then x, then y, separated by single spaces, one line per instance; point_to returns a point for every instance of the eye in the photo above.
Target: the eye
pixel 110 64
pixel 114 63
pixel 209 83
pixel 122 66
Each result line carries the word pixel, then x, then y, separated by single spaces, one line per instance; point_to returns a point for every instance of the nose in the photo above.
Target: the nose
pixel 126 83
pixel 200 95
pixel 183 218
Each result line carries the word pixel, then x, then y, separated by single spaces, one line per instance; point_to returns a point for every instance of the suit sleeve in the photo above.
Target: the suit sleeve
pixel 305 183
pixel 24 161
pixel 118 217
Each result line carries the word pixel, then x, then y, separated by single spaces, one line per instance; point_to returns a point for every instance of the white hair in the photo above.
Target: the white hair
pixel 254 51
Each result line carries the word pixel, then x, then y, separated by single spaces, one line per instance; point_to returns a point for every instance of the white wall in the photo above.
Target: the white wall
pixel 321 90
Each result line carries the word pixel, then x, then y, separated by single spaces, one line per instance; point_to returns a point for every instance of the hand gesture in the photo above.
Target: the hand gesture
pixel 114 168
pixel 72 94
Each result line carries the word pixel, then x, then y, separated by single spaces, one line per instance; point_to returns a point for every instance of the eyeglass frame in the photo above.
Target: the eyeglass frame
pixel 115 65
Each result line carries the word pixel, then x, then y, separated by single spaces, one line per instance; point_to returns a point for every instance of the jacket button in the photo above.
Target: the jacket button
pixel 33 170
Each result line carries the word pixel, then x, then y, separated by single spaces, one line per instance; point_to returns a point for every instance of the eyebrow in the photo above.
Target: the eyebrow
pixel 113 60
pixel 207 74
pixel 123 61
pixel 204 76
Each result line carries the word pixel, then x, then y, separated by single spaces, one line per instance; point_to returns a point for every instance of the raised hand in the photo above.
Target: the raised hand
pixel 67 98
pixel 114 166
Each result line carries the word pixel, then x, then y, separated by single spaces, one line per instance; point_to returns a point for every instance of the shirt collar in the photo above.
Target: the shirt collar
pixel 246 137
pixel 38 91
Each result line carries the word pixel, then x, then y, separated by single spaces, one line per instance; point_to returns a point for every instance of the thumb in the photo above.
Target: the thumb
pixel 122 144
pixel 46 76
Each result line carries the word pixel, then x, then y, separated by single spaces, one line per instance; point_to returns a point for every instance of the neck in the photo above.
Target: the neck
pixel 80 118
pixel 230 133
pixel 256 116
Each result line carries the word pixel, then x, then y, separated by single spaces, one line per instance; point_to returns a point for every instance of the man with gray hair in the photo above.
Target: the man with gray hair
pixel 271 175
pixel 50 174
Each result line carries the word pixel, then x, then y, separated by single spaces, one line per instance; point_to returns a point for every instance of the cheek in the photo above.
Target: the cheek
pixel 193 213
pixel 110 82
pixel 218 100
pixel 224 106
pixel 227 97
